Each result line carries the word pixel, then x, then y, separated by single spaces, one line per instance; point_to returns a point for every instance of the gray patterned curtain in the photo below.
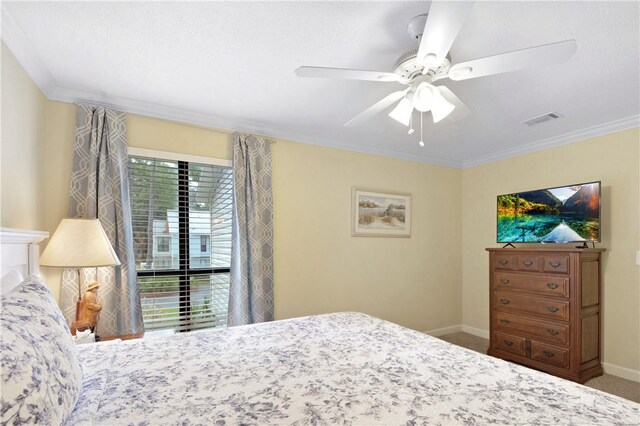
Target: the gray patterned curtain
pixel 251 286
pixel 100 188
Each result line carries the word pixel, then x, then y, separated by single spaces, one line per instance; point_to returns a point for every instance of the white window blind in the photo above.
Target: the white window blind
pixel 181 213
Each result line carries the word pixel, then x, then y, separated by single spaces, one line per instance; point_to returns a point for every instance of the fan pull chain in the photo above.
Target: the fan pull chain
pixel 421 143
pixel 411 124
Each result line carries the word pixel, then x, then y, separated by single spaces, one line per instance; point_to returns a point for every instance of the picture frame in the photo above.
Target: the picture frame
pixel 380 213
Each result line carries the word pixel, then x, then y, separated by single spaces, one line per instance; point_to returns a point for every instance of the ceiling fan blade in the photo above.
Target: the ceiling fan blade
pixel 349 74
pixel 554 53
pixel 443 24
pixel 460 111
pixel 376 108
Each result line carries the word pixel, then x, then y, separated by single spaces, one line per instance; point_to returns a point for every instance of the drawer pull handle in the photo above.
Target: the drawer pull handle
pixel 527 263
pixel 553 332
pixel 504 281
pixel 505 322
pixel 555 264
pixel 508 342
pixel 548 354
pixel 552 286
pixel 504 301
pixel 553 309
pixel 503 261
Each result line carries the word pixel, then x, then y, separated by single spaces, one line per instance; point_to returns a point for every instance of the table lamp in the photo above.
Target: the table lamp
pixel 79 243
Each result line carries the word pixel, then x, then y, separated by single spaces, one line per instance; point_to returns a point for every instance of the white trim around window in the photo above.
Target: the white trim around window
pixel 164 155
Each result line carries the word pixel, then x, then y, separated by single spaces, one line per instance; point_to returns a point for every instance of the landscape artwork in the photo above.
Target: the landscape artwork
pixel 555 215
pixel 381 214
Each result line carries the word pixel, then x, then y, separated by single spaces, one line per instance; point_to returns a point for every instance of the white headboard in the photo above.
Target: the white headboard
pixel 19 249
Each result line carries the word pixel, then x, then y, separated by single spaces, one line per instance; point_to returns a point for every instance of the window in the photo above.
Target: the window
pixel 163 243
pixel 184 209
pixel 204 243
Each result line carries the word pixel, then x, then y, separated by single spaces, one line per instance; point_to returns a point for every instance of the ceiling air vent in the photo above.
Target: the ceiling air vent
pixel 541 119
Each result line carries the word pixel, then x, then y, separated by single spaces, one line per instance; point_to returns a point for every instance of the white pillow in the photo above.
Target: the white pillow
pixel 10 280
pixel 41 373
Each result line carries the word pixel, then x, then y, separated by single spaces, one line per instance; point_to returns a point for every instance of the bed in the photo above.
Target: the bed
pixel 340 368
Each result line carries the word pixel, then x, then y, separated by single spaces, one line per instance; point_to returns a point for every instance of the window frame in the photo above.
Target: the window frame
pixel 185 271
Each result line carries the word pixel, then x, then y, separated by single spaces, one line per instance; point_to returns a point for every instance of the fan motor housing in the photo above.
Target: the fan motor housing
pixel 407 66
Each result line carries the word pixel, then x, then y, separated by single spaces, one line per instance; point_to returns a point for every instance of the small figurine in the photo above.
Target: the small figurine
pixel 88 309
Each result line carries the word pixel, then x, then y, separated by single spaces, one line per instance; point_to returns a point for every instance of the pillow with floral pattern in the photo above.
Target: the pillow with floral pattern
pixel 41 373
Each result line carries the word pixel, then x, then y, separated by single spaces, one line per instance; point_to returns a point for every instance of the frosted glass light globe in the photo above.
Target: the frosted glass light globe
pixel 423 98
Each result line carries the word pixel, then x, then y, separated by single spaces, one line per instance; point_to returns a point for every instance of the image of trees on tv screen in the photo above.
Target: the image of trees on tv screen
pixel 558 215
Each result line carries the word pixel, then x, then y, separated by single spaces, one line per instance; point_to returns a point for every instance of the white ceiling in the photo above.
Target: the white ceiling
pixel 231 65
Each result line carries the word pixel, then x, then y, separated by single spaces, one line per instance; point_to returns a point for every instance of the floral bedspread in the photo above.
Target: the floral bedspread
pixel 343 368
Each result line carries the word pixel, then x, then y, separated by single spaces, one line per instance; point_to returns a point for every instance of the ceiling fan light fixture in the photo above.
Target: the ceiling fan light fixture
pixel 424 97
pixel 402 112
pixel 440 107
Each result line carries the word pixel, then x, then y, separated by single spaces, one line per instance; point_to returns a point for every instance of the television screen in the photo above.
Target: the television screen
pixel 553 215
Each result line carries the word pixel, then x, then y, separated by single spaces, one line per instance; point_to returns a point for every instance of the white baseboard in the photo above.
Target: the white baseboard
pixel 458 328
pixel 624 372
pixel 476 331
pixel 445 330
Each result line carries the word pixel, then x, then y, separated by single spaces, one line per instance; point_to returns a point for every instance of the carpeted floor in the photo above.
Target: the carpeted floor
pixel 606 383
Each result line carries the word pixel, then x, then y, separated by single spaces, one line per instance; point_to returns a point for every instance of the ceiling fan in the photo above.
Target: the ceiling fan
pixel 419 68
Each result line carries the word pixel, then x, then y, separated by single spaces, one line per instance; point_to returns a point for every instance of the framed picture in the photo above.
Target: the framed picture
pixel 380 214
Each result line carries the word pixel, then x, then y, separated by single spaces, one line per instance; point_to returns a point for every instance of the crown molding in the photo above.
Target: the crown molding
pixel 555 141
pixel 24 52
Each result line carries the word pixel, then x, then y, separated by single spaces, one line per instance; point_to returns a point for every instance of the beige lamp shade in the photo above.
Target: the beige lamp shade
pixel 79 243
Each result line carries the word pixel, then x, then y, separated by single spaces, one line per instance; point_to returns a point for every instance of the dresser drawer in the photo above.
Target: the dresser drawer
pixel 547 285
pixel 549 332
pixel 502 261
pixel 528 262
pixel 509 343
pixel 513 302
pixel 557 264
pixel 549 354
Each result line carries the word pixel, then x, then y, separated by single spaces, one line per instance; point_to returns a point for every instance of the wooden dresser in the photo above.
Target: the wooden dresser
pixel 545 309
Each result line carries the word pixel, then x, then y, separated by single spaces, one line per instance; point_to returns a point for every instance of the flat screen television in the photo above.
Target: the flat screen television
pixel 563 214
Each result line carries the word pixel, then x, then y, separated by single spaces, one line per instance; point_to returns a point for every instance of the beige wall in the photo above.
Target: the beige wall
pixel 319 267
pixel 613 159
pixel 23 134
